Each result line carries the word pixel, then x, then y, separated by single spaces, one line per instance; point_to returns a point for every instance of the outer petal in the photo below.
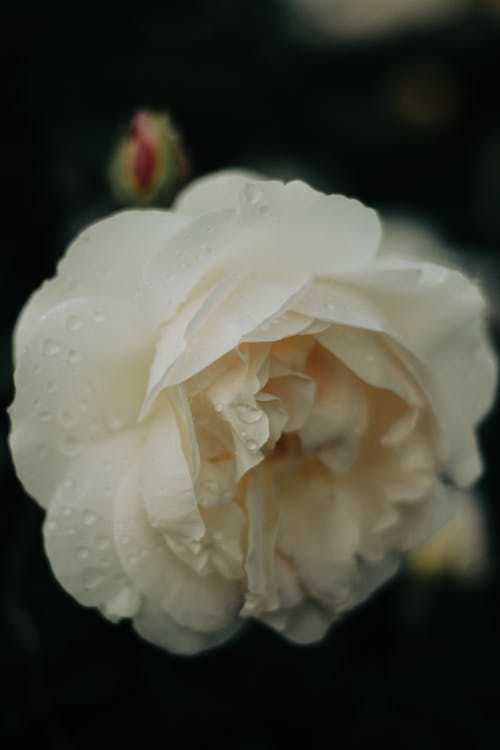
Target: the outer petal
pixel 105 259
pixel 252 302
pixel 153 624
pixel 214 192
pixel 438 316
pixel 71 388
pixel 78 530
pixel 202 603
pixel 168 484
pixel 339 233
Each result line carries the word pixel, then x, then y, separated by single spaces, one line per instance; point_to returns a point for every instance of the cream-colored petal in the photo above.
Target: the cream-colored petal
pixel 307 623
pixel 153 624
pixel 105 260
pixel 214 192
pixel 244 309
pixel 70 386
pixel 167 480
pixel 365 354
pixel 261 592
pixel 296 393
pixel 205 603
pixel 438 315
pixel 78 530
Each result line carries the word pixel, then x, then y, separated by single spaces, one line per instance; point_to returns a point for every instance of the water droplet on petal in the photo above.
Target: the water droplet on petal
pixel 248 413
pixel 73 356
pixel 99 316
pixel 251 445
pixel 103 543
pixel 252 193
pixel 115 421
pixel 91 579
pixel 88 517
pixel 50 348
pixel 74 323
pixel 66 419
pixel 210 486
pixel 219 408
pixel 69 446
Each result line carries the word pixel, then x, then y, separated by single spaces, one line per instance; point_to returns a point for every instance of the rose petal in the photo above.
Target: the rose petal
pixel 70 389
pixel 204 603
pixel 78 529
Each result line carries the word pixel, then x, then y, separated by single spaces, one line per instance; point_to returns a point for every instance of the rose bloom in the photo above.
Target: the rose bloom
pixel 244 407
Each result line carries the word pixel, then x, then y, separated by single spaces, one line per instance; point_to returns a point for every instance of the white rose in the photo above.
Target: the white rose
pixel 242 408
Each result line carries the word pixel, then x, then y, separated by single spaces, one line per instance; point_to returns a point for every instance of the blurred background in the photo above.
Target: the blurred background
pixel 395 102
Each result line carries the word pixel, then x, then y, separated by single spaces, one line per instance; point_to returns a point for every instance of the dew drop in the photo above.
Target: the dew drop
pixel 209 486
pixel 99 316
pixel 248 413
pixel 69 446
pixel 73 356
pixel 91 579
pixel 66 419
pixel 50 348
pixel 252 194
pixel 115 421
pixel 219 408
pixel 88 517
pixel 74 323
pixel 251 445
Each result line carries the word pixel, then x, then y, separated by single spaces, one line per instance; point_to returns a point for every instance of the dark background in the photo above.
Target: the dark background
pixel 406 122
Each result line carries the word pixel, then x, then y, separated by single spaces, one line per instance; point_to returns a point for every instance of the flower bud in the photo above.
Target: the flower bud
pixel 149 164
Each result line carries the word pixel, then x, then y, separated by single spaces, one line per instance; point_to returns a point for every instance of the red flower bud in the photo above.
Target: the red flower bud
pixel 149 164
